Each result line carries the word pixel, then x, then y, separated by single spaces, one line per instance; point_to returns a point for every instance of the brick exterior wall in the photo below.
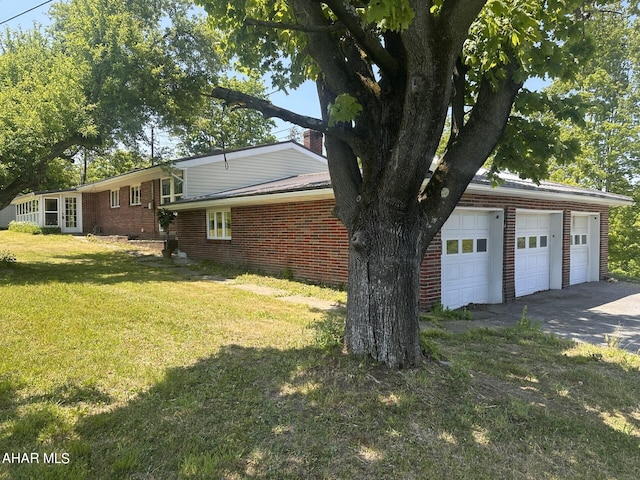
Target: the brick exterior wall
pixel 307 241
pixel 137 221
pixel 303 238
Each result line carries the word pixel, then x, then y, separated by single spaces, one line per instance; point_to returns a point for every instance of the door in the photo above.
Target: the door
pixel 579 272
pixel 532 268
pixel 71 216
pixel 465 259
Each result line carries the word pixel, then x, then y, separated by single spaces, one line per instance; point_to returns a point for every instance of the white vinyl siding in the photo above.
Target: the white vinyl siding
pixel 250 170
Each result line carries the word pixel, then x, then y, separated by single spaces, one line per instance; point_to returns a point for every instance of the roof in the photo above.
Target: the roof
pixel 318 185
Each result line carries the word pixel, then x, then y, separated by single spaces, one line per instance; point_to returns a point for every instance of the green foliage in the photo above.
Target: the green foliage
pixel 25 227
pixel 166 218
pixel 210 124
pixel 329 332
pixel 32 228
pixel 345 109
pixel 394 15
pixel 97 78
pixel 607 88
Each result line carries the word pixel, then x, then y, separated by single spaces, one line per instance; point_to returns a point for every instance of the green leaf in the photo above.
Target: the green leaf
pixel 345 109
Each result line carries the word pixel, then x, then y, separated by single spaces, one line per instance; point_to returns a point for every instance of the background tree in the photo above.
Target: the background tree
pixel 388 74
pixel 210 124
pixel 95 80
pixel 608 86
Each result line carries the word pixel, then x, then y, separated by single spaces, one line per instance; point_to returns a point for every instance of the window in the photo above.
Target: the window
pixel 467 245
pixel 521 243
pixel 171 188
pixel 543 241
pixel 452 247
pixel 115 198
pixel 28 211
pixel 134 195
pixel 219 224
pixel 533 242
pixel 481 245
pixel 51 212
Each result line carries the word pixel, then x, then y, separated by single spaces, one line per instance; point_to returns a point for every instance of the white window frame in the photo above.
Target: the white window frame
pixel 172 196
pixel 114 198
pixel 28 211
pixel 219 216
pixel 135 195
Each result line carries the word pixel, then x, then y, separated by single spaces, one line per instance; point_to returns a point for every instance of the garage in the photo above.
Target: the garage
pixel 538 249
pixel 585 248
pixel 472 258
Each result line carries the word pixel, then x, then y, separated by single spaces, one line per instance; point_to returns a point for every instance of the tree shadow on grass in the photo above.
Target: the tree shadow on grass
pixel 312 413
pixel 104 268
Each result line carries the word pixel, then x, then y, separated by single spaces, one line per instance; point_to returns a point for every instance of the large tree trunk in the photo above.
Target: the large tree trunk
pixel 383 288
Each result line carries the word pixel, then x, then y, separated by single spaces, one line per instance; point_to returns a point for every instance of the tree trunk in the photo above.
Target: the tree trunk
pixel 383 288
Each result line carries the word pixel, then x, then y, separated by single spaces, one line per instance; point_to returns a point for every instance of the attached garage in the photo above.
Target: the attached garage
pixel 538 254
pixel 472 258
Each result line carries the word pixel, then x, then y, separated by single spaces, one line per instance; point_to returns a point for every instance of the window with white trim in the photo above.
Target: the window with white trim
pixel 115 198
pixel 219 224
pixel 135 197
pixel 171 188
pixel 28 211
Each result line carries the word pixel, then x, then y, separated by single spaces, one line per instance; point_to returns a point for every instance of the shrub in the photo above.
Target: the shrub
pixel 25 227
pixel 33 228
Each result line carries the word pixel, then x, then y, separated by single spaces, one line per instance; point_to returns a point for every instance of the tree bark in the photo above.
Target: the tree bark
pixel 383 288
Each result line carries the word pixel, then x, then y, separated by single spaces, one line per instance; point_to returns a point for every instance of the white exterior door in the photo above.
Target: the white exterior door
pixel 71 214
pixel 585 248
pixel 532 268
pixel 466 260
pixel 579 272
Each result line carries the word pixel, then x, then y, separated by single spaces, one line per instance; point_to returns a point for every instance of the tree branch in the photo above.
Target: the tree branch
pixel 468 152
pixel 369 43
pixel 294 26
pixel 242 100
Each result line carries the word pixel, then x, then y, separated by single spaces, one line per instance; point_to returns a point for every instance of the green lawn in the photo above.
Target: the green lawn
pixel 128 370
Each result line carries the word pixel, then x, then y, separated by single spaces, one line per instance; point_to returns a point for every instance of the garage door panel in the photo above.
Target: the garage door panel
pixel 465 260
pixel 532 269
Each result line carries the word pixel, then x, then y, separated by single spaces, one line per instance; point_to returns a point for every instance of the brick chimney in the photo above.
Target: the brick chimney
pixel 313 141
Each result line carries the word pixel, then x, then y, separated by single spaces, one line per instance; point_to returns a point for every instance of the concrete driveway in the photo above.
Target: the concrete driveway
pixel 585 313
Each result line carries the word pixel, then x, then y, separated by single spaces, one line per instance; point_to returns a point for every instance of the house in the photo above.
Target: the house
pixel 270 208
pixel 500 242
pixel 127 204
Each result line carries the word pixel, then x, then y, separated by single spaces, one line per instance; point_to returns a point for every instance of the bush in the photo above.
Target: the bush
pixel 32 228
pixel 7 259
pixel 25 227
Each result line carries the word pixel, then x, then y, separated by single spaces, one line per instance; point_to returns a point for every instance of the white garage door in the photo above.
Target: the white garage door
pixel 579 272
pixel 532 253
pixel 465 259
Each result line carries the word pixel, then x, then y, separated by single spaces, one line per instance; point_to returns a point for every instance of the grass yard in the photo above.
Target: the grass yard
pixel 117 369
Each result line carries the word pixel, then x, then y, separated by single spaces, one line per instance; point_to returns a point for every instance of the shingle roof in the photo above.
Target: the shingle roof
pixel 511 185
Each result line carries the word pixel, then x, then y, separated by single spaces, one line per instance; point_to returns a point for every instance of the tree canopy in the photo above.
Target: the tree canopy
pixel 608 88
pixel 96 79
pixel 391 74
